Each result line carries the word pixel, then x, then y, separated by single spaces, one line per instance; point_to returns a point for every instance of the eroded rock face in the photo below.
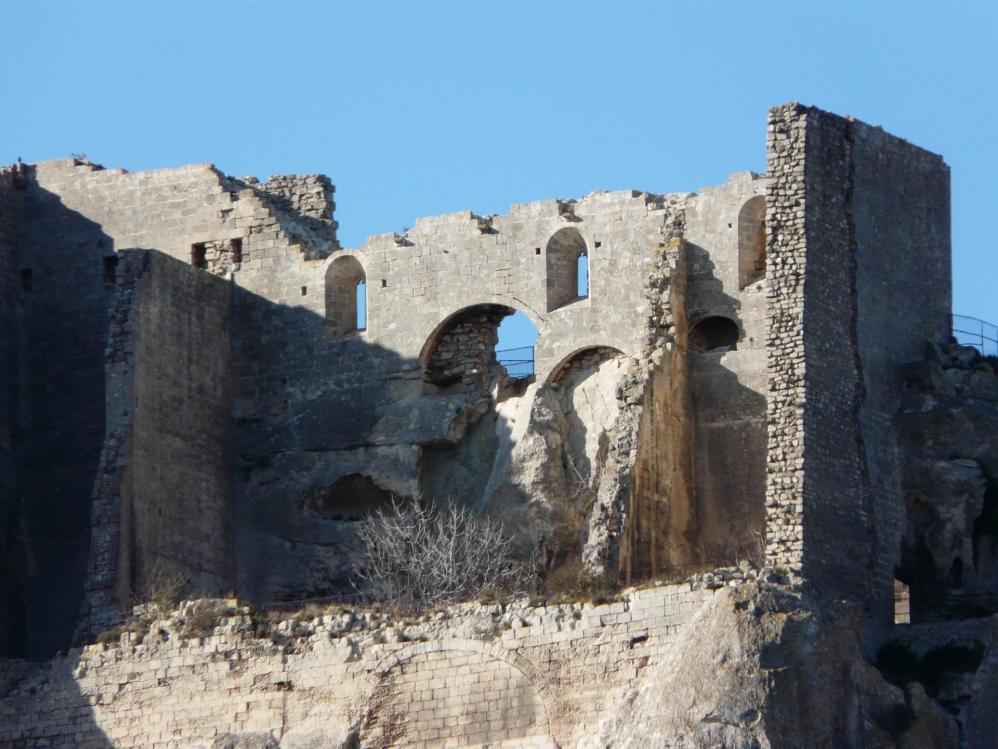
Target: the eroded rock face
pixel 760 666
pixel 948 435
pixel 558 443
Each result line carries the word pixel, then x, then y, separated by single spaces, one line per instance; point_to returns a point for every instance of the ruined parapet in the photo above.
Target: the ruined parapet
pixel 304 204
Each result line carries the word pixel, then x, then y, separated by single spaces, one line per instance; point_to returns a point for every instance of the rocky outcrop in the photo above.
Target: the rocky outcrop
pixel 948 438
pixel 761 666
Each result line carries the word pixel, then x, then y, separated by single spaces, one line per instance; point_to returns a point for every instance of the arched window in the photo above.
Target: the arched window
pixel 752 241
pixel 567 268
pixel 713 334
pixel 346 297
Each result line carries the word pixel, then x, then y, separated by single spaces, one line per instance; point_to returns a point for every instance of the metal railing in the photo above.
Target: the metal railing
pixel 518 362
pixel 970 331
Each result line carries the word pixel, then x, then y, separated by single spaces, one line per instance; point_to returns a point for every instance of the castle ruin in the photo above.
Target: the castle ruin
pixel 198 381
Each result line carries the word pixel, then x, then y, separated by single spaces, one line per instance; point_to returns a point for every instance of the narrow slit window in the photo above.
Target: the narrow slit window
pixel 361 305
pixel 236 250
pixel 110 268
pixel 582 276
pixel 902 603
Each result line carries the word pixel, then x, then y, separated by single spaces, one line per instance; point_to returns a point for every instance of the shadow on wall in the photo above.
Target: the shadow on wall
pixel 66 267
pixel 331 429
pixel 729 425
pixel 23 683
pixel 66 271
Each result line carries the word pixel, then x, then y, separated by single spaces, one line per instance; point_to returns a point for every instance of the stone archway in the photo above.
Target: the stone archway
pixel 460 693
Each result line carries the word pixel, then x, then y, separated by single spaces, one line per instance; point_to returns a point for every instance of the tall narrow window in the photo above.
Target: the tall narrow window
pixel 361 304
pixel 567 268
pixel 346 297
pixel 752 241
pixel 902 603
pixel 582 275
pixel 110 268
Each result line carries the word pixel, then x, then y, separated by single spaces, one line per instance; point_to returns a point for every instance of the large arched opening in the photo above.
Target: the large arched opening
pixel 476 345
pixel 516 345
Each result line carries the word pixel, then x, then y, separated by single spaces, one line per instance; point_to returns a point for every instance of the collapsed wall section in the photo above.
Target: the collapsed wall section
pixel 162 505
pixel 660 515
pixel 857 224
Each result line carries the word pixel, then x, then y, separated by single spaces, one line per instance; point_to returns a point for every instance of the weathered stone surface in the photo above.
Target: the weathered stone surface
pixel 759 666
pixel 731 399
pixel 948 439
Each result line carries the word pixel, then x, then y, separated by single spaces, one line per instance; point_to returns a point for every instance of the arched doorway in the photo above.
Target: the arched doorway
pixel 498 704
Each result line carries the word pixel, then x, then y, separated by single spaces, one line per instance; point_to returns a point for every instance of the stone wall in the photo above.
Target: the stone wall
pixel 310 408
pixel 474 675
pixel 314 408
pixel 309 195
pixel 11 614
pixel 785 338
pixel 900 215
pixel 463 353
pixel 64 300
pixel 728 385
pixel 162 506
pixel 858 225
pixel 659 515
pixel 73 216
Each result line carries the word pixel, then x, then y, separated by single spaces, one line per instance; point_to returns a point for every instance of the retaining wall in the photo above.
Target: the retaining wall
pixel 474 675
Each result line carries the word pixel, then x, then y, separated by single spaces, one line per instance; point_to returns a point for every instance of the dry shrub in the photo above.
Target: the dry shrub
pixel 572 582
pixel 417 557
pixel 164 586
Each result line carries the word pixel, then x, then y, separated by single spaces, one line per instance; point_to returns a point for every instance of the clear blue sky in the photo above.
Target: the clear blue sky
pixel 417 108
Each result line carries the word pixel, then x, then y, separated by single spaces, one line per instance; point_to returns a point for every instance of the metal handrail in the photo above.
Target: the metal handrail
pixel 972 331
pixel 518 362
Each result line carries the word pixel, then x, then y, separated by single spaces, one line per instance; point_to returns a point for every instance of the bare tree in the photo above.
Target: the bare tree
pixel 418 557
